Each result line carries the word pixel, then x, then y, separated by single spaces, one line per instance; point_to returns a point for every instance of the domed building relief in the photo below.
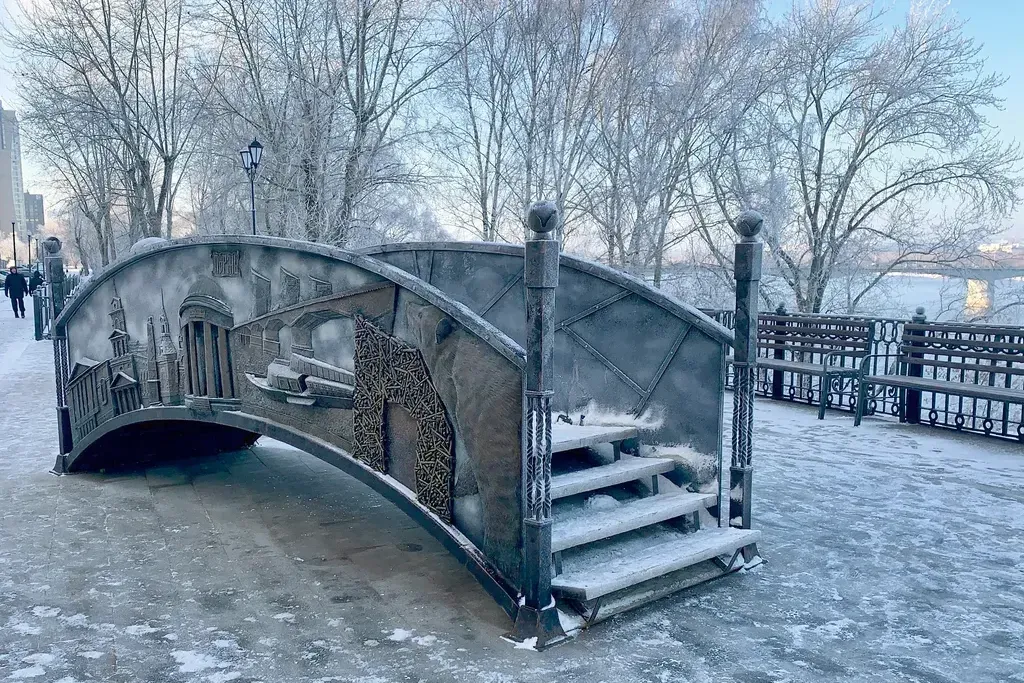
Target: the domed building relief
pixel 206 319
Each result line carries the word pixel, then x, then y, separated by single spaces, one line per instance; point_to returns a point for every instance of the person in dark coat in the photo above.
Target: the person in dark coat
pixel 15 288
pixel 35 281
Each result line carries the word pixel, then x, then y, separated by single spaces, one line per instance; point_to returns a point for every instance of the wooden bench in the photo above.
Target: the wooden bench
pixel 956 359
pixel 827 347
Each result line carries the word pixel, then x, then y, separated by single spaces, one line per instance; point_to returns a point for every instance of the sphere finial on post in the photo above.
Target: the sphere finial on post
pixel 543 218
pixel 748 225
pixel 51 245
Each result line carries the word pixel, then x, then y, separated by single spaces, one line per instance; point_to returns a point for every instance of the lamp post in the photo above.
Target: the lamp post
pixel 29 252
pixel 14 240
pixel 251 157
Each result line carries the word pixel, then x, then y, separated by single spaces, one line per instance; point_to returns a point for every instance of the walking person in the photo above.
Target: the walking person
pixel 34 281
pixel 15 288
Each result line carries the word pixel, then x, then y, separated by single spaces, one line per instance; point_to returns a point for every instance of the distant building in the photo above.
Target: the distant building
pixel 34 216
pixel 12 183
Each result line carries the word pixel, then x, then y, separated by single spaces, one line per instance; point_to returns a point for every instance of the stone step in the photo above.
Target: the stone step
pixel 594 478
pixel 590 526
pixel 621 571
pixel 570 437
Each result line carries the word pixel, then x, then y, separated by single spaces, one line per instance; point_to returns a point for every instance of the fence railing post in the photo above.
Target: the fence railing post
pixel 747 266
pixel 537 616
pixel 38 303
pixel 778 354
pixel 912 403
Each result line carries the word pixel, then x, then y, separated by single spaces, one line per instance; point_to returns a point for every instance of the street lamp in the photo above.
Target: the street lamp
pixel 251 157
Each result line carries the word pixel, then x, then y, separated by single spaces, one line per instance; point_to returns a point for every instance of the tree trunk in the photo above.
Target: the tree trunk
pixel 659 254
pixel 311 199
pixel 169 213
pixel 101 239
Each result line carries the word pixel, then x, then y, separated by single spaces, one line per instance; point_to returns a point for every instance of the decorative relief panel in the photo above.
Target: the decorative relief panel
pixel 289 288
pixel 260 293
pixel 388 369
pixel 321 287
pixel 227 263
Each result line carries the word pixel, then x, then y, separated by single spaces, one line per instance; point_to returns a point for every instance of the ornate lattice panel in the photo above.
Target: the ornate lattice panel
pixel 388 369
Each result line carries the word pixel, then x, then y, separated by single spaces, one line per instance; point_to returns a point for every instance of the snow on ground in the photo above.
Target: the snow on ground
pixel 895 553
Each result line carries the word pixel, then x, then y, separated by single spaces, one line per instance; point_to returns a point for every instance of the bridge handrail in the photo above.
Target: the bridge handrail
pixel 669 303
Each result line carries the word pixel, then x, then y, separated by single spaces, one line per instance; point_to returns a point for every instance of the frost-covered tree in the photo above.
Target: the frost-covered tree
pixel 330 88
pixel 677 69
pixel 124 68
pixel 866 139
pixel 650 123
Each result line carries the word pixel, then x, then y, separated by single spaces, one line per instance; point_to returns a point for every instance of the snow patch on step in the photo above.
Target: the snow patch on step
pixel 701 468
pixel 601 501
pixel 596 415
pixel 570 622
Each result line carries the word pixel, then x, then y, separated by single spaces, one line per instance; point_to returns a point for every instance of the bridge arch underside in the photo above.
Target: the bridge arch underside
pixel 153 435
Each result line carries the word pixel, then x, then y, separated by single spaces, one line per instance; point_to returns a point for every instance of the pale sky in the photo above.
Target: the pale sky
pixel 995 23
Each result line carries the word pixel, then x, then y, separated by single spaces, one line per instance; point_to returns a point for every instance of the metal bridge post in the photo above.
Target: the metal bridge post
pixel 538 617
pixel 53 263
pixel 747 266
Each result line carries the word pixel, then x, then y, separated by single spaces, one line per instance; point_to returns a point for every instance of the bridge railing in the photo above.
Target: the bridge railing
pixel 983 416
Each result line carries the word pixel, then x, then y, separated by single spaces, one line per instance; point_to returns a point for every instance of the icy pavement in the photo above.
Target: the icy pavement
pixel 895 554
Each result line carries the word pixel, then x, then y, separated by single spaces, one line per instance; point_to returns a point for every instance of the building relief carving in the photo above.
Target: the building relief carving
pixel 100 390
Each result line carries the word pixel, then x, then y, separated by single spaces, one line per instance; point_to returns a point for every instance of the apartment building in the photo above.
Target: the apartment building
pixel 12 183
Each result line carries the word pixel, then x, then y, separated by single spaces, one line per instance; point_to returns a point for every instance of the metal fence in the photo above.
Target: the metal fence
pixel 43 311
pixel 966 364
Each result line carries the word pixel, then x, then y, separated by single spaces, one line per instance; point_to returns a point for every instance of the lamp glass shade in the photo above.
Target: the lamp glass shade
pixel 256 151
pixel 246 159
